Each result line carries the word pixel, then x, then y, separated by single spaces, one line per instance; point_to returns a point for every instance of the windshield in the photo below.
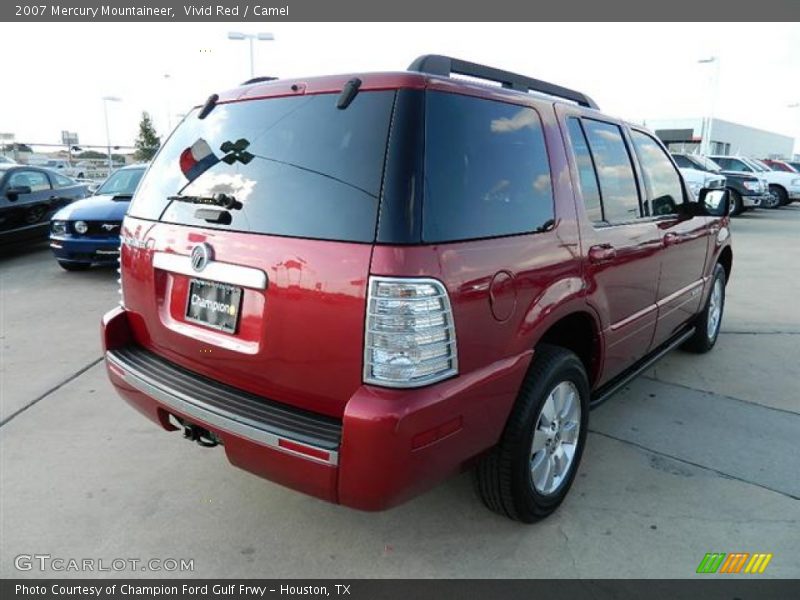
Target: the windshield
pixel 695 161
pixel 756 165
pixel 121 183
pixel 707 163
pixel 296 166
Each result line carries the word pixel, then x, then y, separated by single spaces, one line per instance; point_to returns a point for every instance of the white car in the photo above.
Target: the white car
pixel 784 186
pixel 696 179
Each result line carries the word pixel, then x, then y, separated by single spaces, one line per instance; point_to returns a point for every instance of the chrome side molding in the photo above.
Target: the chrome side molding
pixel 223 272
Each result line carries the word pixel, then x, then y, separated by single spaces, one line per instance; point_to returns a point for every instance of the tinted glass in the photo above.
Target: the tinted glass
pixel 122 182
pixel 614 170
pixel 303 168
pixel 664 189
pixel 36 180
pixel 586 173
pixel 486 169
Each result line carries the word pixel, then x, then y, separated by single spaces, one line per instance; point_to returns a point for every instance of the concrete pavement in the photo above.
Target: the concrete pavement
pixel 696 456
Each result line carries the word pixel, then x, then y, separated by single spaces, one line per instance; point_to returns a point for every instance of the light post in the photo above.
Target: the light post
pixel 796 107
pixel 106 100
pixel 250 37
pixel 166 96
pixel 714 82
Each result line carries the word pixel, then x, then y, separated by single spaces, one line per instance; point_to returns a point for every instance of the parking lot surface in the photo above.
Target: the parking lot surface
pixel 698 455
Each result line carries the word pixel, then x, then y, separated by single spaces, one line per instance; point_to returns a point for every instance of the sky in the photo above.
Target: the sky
pixel 55 75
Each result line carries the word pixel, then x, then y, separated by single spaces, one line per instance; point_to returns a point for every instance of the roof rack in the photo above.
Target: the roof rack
pixel 444 66
pixel 258 80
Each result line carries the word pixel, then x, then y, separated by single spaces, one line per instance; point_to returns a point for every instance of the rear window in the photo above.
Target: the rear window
pixel 486 169
pixel 298 166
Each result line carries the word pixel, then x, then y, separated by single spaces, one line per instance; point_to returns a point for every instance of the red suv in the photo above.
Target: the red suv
pixel 361 285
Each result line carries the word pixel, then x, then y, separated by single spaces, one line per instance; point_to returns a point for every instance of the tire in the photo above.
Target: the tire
pixel 505 477
pixel 780 194
pixel 70 266
pixel 737 204
pixel 707 324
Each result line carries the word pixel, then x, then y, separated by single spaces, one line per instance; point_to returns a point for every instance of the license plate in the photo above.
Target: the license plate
pixel 214 304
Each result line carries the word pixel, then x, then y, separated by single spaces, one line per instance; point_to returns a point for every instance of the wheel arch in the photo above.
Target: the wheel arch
pixel 579 332
pixel 726 260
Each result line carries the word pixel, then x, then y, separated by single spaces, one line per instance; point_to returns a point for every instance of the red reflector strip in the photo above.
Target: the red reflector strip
pixel 303 449
pixel 435 434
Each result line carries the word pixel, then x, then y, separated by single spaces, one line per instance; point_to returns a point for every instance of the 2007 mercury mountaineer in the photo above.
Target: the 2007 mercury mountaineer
pixel 359 285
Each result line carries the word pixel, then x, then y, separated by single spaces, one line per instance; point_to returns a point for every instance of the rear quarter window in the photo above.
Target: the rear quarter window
pixel 487 172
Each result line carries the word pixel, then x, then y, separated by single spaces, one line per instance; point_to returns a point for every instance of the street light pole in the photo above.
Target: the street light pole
pixel 796 107
pixel 251 37
pixel 106 100
pixel 706 142
pixel 166 95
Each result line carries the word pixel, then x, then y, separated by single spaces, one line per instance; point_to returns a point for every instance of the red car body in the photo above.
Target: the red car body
pixel 616 294
pixel 779 165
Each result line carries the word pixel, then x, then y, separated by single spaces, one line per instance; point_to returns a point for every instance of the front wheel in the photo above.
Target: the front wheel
pixel 528 474
pixel 780 195
pixel 737 204
pixel 709 321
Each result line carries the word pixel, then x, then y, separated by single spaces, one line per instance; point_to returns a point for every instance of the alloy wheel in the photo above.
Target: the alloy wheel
pixel 555 438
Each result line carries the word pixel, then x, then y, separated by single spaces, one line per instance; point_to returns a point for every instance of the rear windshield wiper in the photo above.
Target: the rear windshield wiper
pixel 224 200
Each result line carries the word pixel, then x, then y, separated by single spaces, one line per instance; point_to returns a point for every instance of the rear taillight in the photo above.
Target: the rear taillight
pixel 410 337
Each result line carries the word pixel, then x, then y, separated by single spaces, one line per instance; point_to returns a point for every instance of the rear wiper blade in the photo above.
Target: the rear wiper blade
pixel 224 200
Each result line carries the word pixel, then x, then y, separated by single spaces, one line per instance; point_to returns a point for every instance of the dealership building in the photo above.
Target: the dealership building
pixel 726 138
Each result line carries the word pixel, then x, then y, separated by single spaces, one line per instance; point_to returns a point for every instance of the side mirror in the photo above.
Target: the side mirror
pixel 714 202
pixel 15 192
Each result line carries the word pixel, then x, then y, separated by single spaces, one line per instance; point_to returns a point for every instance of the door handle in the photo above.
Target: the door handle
pixel 602 253
pixel 670 239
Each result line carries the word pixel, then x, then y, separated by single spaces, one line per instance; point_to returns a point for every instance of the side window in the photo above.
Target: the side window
pixel 662 181
pixel 614 171
pixel 586 172
pixel 59 181
pixel 36 180
pixel 486 169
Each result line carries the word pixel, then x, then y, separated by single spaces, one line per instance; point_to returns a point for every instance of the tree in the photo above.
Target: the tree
pixel 148 142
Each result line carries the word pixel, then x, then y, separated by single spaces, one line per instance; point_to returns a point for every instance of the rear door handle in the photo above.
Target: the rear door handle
pixel 602 253
pixel 670 239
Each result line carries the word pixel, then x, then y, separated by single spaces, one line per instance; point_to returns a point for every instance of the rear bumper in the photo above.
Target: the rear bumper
pixel 389 445
pixel 85 250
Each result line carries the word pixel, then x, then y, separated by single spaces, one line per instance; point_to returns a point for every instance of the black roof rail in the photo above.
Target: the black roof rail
pixel 258 80
pixel 444 66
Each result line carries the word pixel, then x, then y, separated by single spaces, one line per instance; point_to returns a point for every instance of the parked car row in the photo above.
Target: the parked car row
pixel 752 183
